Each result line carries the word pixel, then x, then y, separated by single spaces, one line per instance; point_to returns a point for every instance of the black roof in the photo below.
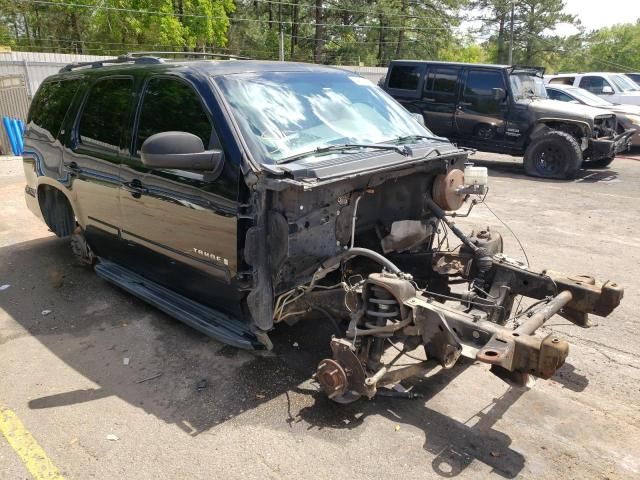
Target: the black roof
pixel 457 64
pixel 207 67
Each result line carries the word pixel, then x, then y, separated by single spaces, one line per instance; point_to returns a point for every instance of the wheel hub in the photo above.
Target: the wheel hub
pixel 332 378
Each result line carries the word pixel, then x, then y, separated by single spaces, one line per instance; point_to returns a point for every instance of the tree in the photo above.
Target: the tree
pixel 536 20
pixel 494 18
pixel 615 48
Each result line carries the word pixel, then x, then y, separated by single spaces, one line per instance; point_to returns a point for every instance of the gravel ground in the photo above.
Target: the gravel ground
pixel 186 406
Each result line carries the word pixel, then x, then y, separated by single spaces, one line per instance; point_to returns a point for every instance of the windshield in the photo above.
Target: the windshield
pixel 526 85
pixel 284 114
pixel 624 83
pixel 589 98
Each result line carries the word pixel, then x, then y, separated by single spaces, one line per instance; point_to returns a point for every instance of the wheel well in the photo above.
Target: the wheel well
pixel 56 210
pixel 576 130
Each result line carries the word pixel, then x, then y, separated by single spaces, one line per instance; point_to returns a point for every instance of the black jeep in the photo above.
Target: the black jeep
pixel 505 109
pixel 234 195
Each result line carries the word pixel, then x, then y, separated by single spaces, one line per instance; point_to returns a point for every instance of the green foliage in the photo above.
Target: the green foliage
pixel 368 32
pixel 616 48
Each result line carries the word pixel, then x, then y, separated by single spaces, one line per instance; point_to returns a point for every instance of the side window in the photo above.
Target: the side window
pixel 556 95
pixel 106 113
pixel 172 105
pixel 594 84
pixel 51 103
pixel 405 77
pixel 482 83
pixel 478 91
pixel 442 81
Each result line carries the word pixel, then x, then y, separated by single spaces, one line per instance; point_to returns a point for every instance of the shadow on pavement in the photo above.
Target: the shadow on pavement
pixel 516 170
pixel 455 444
pixel 187 379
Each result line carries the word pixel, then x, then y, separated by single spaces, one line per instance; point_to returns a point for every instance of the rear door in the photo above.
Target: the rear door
pixel 96 146
pixel 180 227
pixel 439 99
pixel 480 116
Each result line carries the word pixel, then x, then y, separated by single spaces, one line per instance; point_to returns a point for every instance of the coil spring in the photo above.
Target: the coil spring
pixel 382 307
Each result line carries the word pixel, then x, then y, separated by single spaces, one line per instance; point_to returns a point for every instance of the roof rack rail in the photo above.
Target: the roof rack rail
pixel 191 54
pixel 146 60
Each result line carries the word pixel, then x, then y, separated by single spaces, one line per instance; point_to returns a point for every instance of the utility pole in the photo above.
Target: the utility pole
pixel 513 3
pixel 281 33
pixel 281 43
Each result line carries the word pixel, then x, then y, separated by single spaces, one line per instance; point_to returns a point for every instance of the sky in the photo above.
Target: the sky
pixel 600 13
pixel 593 14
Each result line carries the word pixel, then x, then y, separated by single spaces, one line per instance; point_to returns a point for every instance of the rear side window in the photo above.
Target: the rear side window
pixel 405 77
pixel 51 103
pixel 562 80
pixel 442 80
pixel 172 105
pixel 106 112
pixel 594 84
pixel 482 83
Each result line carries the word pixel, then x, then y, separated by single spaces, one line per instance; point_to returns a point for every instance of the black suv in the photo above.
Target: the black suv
pixel 505 109
pixel 236 194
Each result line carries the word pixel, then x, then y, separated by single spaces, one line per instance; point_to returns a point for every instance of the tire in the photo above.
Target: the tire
pixel 555 154
pixel 602 163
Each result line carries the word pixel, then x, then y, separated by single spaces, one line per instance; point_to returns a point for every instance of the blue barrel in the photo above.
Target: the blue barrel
pixel 8 127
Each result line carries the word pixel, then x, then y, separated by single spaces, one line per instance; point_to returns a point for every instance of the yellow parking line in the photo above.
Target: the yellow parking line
pixel 27 448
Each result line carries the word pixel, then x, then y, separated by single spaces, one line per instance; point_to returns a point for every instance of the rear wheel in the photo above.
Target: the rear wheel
pixel 81 248
pixel 555 154
pixel 602 163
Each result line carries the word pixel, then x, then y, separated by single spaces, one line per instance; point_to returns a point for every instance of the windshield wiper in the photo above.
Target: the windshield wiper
pixel 346 146
pixel 408 138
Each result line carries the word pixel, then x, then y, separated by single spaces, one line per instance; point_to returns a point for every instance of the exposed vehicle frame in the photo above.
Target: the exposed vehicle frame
pixel 346 232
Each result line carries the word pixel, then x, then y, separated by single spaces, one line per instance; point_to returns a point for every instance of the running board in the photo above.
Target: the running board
pixel 211 322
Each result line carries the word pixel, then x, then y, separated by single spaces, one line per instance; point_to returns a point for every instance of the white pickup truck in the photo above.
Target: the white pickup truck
pixel 615 87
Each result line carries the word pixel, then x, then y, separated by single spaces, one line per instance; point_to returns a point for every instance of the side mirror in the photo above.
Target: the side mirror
pixel 180 150
pixel 607 90
pixel 419 118
pixel 499 93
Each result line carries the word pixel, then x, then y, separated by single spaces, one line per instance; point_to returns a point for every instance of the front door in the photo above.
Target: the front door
pixel 596 84
pixel 180 227
pixel 439 99
pixel 93 157
pixel 480 116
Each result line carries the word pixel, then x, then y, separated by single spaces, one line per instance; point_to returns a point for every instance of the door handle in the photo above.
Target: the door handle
pixel 135 188
pixel 73 168
pixel 427 99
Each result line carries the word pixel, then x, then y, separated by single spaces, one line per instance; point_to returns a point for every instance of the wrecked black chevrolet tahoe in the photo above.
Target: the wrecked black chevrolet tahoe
pixel 505 109
pixel 236 195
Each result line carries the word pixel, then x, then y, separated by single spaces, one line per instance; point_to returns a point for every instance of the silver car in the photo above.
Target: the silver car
pixel 628 115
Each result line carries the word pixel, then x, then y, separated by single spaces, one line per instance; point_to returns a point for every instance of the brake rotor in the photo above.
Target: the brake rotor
pixel 445 190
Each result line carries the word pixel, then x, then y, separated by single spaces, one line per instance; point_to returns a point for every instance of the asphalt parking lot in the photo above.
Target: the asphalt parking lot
pixel 111 388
